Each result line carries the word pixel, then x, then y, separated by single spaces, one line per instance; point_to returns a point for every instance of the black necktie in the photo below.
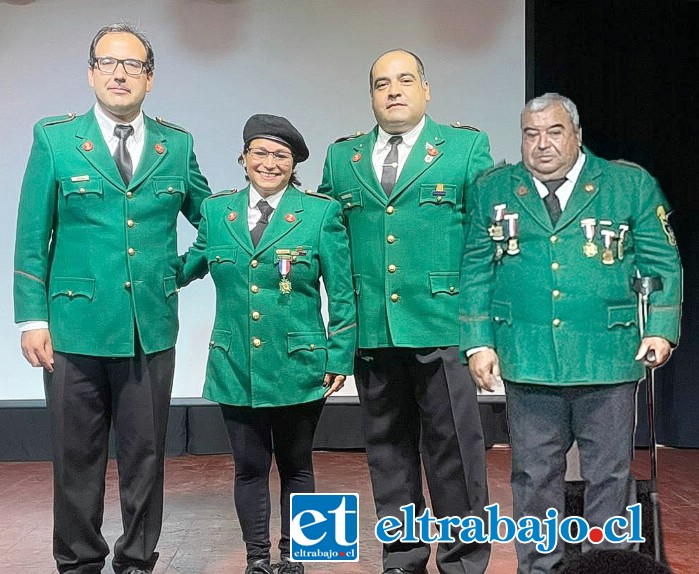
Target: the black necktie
pixel 390 166
pixel 256 232
pixel 121 156
pixel 553 204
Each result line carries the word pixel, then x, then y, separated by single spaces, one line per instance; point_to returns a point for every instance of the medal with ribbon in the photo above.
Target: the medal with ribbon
pixel 496 231
pixel 608 236
pixel 284 265
pixel 512 221
pixel 623 230
pixel 588 227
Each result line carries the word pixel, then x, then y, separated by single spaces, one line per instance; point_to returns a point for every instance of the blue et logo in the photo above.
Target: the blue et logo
pixel 325 527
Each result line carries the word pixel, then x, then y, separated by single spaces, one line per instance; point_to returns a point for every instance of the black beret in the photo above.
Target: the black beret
pixel 278 129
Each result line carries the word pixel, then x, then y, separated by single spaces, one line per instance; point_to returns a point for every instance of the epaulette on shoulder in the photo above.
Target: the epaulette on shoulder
pixel 461 126
pixel 626 163
pixel 316 194
pixel 162 122
pixel 52 121
pixel 349 137
pixel 223 193
pixel 497 167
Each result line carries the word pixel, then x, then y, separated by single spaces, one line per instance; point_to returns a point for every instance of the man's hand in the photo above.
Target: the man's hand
pixel 334 382
pixel 37 348
pixel 653 351
pixel 485 369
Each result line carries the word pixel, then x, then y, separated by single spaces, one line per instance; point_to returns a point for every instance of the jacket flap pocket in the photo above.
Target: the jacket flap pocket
pixel 438 193
pixel 170 285
pixel 350 198
pixel 81 186
pixel 305 341
pixel 444 282
pixel 73 287
pixel 621 316
pixel 168 184
pixel 220 339
pixel 296 254
pixel 220 254
pixel 501 312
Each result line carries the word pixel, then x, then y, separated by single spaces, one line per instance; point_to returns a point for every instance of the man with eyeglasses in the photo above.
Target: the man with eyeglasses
pixel 403 188
pixel 96 271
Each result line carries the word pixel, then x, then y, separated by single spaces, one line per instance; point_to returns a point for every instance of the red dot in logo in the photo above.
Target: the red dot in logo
pixel 596 535
pixel 342 553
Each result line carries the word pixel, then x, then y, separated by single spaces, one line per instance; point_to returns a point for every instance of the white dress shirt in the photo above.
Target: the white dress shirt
pixel 134 143
pixel 382 147
pixel 564 192
pixel 254 213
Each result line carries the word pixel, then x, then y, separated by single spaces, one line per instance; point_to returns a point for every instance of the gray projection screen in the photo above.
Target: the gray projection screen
pixel 220 61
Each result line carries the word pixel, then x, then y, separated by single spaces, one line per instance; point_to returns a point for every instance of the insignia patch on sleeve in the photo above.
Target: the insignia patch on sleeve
pixel 662 217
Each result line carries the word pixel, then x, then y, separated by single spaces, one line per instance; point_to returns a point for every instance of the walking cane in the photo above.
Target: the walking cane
pixel 644 286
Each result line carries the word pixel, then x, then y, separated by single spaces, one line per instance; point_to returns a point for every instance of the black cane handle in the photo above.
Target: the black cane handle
pixel 646 285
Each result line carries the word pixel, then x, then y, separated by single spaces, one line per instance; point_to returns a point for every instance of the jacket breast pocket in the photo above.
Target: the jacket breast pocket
pixel 621 316
pixel 167 186
pixel 438 194
pixel 78 187
pixel 220 339
pixel 221 255
pixel 351 199
pixel 298 254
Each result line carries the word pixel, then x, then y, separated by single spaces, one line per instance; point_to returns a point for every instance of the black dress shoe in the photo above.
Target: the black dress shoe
pixel 403 571
pixel 288 567
pixel 261 566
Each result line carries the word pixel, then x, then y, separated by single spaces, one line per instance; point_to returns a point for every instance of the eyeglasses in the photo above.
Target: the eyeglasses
pixel 260 154
pixel 108 65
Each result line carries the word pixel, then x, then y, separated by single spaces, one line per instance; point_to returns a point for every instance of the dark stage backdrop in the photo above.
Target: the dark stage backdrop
pixel 631 68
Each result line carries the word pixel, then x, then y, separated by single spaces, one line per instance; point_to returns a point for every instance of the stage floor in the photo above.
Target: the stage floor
pixel 201 533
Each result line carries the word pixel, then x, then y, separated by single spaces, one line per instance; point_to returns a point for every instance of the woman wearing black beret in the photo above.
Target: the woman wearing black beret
pixel 271 362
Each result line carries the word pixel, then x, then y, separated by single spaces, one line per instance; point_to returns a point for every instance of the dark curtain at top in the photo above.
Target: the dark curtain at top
pixel 631 66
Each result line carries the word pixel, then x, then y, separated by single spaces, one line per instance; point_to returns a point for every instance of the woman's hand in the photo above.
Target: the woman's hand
pixel 333 382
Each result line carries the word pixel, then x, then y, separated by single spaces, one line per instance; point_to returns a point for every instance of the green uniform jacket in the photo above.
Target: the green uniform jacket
pixel 270 348
pixel 94 257
pixel 406 249
pixel 554 315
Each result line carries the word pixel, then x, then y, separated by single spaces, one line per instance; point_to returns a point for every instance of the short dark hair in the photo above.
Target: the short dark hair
pixel 293 181
pixel 418 61
pixel 125 28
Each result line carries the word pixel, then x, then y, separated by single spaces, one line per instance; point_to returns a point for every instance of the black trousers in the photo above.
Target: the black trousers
pixel 84 396
pixel 255 434
pixel 422 401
